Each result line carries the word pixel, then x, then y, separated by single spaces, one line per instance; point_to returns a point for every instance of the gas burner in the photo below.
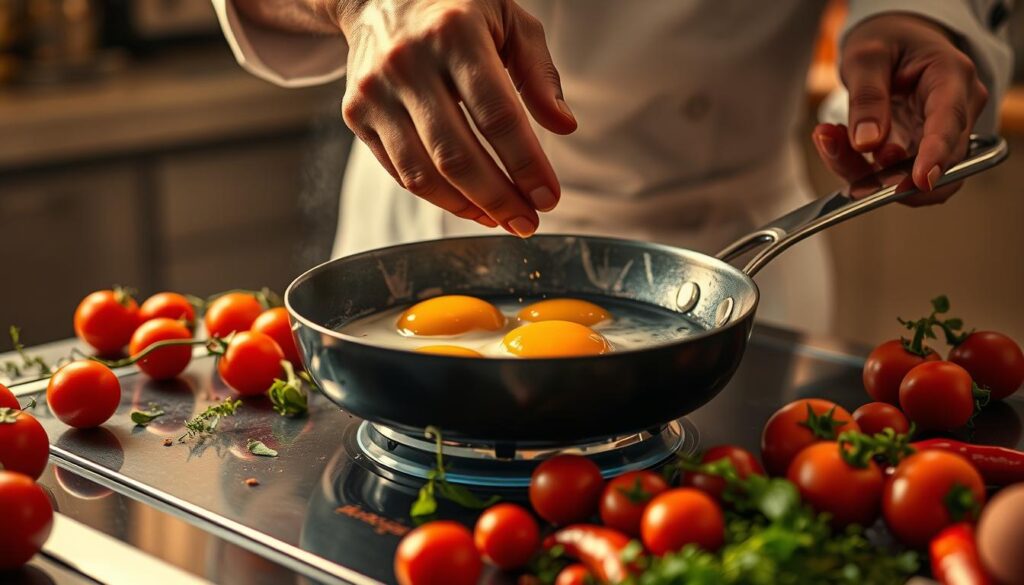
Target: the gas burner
pixel 507 465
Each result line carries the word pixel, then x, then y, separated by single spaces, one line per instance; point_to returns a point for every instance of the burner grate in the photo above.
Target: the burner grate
pixel 510 465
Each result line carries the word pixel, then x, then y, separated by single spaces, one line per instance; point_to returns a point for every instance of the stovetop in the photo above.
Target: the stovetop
pixel 322 511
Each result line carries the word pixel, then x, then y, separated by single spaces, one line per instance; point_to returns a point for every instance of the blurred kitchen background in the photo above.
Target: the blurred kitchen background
pixel 134 151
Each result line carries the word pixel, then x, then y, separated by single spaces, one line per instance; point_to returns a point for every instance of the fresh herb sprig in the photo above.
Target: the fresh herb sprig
pixel 438 486
pixel 924 327
pixel 287 396
pixel 206 422
pixel 12 369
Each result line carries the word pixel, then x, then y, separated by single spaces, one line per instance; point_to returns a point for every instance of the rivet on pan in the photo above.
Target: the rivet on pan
pixel 686 298
pixel 724 312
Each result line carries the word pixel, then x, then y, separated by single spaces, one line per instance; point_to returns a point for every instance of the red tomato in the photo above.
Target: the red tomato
pixel 994 361
pixel 679 517
pixel 231 312
pixel 788 431
pixel 506 536
pixel 926 493
pixel 274 322
pixel 8 399
pixel 169 305
pixel 166 362
pixel 566 489
pixel 251 363
pixel 437 553
pixel 875 417
pixel 626 496
pixel 938 396
pixel 574 574
pixel 28 517
pixel 885 368
pixel 829 484
pixel 106 320
pixel 743 462
pixel 83 394
pixel 24 446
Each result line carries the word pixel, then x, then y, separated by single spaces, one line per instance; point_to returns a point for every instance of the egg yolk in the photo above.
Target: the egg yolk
pixel 449 350
pixel 450 315
pixel 554 339
pixel 575 310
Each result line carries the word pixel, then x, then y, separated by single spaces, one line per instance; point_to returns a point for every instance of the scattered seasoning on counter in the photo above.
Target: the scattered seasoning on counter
pixel 168 442
pixel 258 448
pixel 252 482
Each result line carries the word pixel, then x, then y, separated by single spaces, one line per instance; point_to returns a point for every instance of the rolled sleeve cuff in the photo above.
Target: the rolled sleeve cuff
pixel 282 58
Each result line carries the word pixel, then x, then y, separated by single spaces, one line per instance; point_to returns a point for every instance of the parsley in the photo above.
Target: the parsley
pixel 206 422
pixel 287 396
pixel 258 448
pixel 438 485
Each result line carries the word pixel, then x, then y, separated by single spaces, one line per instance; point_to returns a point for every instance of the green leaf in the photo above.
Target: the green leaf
pixel 940 304
pixel 425 505
pixel 144 417
pixel 258 448
pixel 463 497
pixel 287 399
pixel 779 499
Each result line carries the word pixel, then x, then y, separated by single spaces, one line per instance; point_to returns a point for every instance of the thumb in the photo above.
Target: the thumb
pixel 867 73
pixel 535 76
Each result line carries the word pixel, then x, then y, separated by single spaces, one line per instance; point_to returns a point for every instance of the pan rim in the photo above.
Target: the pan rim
pixel 716 263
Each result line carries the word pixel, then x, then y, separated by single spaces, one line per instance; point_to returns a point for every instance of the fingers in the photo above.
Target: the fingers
pixel 867 74
pixel 492 103
pixel 535 75
pixel 838 155
pixel 952 103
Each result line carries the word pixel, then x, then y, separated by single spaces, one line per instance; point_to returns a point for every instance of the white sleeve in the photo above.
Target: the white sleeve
pixel 282 58
pixel 981 28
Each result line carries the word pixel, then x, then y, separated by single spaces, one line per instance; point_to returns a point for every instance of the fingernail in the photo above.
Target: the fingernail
pixel 486 221
pixel 933 177
pixel 828 145
pixel 866 133
pixel 564 107
pixel 522 227
pixel 543 199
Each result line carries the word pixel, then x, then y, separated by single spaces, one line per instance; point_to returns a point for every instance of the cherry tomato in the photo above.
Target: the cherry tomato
pixel 743 462
pixel 166 362
pixel 885 368
pixel 169 305
pixel 251 363
pixel 929 491
pixel 852 495
pixel 83 394
pixel 24 446
pixel 788 431
pixel 437 553
pixel 875 417
pixel 8 399
pixel 574 574
pixel 566 489
pixel 506 536
pixel 626 496
pixel 994 361
pixel 106 320
pixel 938 396
pixel 231 312
pixel 679 517
pixel 274 322
pixel 28 517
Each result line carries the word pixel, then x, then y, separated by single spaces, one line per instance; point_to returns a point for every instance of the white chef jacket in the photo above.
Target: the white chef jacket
pixel 687 111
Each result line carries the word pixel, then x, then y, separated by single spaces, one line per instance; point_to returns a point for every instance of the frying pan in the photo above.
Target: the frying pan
pixel 568 399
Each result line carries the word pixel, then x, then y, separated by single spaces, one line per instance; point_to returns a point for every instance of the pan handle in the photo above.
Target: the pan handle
pixel 875 190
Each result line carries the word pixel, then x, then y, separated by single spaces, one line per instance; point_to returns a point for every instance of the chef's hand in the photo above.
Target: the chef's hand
pixel 911 91
pixel 411 62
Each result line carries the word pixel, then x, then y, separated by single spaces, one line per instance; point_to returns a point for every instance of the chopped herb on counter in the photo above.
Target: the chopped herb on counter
pixel 144 417
pixel 287 396
pixel 258 448
pixel 206 422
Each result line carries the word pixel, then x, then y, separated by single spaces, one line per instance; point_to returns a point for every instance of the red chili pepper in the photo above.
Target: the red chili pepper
pixel 597 547
pixel 997 465
pixel 955 557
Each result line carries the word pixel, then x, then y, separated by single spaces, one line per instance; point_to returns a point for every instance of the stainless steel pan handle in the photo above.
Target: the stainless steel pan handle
pixel 871 192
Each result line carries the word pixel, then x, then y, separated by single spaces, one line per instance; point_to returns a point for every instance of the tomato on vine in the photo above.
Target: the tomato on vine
pixel 106 320
pixel 8 399
pixel 938 396
pixel 566 489
pixel 275 323
pixel 251 363
pixel 83 394
pixel 993 360
pixel 169 305
pixel 506 535
pixel 625 497
pixel 798 425
pixel 438 553
pixel 851 494
pixel 743 461
pixel 875 417
pixel 28 518
pixel 230 313
pixel 24 446
pixel 165 362
pixel 886 366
